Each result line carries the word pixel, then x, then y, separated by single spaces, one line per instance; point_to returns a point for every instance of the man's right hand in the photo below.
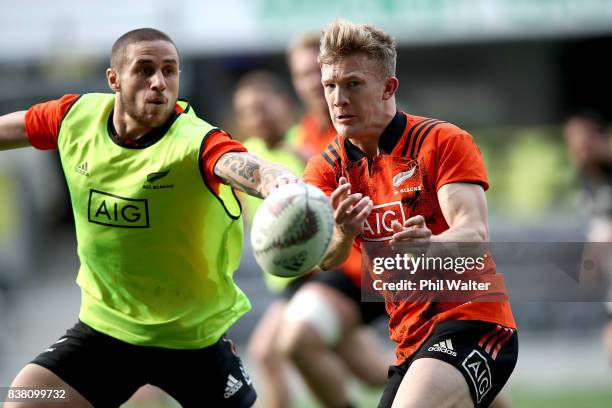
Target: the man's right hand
pixel 350 210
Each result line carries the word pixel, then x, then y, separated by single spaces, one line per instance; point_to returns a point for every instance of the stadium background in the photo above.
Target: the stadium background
pixel 507 71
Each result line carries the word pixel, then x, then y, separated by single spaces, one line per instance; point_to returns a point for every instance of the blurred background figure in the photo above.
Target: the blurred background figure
pixel 587 139
pixel 315 130
pixel 263 111
pixel 588 144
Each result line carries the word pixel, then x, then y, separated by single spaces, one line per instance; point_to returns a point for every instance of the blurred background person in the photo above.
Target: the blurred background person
pixel 263 111
pixel 315 130
pixel 588 145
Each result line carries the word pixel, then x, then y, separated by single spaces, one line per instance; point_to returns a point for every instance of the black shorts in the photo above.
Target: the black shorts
pixel 485 353
pixel 107 371
pixel 369 311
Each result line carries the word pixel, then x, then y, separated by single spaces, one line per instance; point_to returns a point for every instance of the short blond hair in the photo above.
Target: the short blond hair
pixel 343 39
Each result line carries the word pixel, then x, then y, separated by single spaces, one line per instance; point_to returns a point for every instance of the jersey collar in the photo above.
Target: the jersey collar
pixel 146 140
pixel 388 138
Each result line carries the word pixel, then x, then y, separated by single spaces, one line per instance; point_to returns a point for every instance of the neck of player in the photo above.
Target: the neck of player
pixel 126 126
pixel 368 141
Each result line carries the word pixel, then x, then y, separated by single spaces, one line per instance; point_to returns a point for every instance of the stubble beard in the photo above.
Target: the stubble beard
pixel 140 114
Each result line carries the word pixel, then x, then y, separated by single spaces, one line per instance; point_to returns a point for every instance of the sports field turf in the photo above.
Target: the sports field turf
pixel 598 398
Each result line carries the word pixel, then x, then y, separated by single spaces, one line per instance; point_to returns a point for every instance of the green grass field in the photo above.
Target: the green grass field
pixel 519 398
pixel 598 398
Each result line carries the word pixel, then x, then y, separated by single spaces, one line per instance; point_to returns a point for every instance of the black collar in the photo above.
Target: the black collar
pixel 388 138
pixel 146 140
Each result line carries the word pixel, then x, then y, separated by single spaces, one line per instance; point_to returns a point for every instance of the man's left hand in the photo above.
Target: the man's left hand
pixel 413 230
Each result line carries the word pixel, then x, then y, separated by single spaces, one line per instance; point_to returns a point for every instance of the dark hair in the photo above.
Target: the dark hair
pixel 588 115
pixel 134 36
pixel 263 80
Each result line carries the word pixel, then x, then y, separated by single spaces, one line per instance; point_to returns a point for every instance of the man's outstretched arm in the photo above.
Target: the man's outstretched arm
pixel 250 174
pixel 12 131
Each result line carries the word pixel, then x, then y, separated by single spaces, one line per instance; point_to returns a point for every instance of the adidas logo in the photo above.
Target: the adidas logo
pixel 51 349
pixel 445 346
pixel 232 386
pixel 82 169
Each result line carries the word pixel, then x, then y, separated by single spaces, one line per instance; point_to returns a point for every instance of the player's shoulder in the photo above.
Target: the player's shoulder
pixel 330 159
pixel 449 132
pixel 90 97
pixel 440 126
pixel 436 132
pixel 199 126
pixel 318 163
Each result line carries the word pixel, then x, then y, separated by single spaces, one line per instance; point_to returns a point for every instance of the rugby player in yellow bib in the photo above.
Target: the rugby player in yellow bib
pixel 159 235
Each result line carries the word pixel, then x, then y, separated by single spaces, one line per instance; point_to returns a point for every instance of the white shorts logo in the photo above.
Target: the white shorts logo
pixel 445 346
pixel 232 386
pixel 480 374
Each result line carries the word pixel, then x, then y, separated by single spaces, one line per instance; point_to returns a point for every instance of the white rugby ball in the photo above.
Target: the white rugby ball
pixel 292 229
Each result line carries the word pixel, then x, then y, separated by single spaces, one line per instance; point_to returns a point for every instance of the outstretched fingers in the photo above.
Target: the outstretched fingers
pixel 414 230
pixel 340 193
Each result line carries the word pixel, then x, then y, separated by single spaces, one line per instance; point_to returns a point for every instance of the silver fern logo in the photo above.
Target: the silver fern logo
pixel 403 176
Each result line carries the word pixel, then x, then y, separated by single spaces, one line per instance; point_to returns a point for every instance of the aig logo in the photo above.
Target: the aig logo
pixel 480 374
pixel 377 226
pixel 115 211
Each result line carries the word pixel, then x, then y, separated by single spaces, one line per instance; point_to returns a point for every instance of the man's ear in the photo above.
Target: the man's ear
pixel 113 79
pixel 391 85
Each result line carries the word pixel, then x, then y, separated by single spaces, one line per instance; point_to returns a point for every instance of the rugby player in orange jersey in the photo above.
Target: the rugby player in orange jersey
pixel 319 321
pixel 429 176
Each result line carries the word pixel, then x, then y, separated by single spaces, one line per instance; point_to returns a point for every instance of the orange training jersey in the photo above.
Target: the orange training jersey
pixel 312 137
pixel 416 157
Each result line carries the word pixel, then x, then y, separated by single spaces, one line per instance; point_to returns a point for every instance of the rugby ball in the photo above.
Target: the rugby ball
pixel 292 230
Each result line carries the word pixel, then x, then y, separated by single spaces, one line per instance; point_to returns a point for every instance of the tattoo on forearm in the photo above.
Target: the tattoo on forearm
pixel 248 173
pixel 270 173
pixel 240 170
pixel 244 166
